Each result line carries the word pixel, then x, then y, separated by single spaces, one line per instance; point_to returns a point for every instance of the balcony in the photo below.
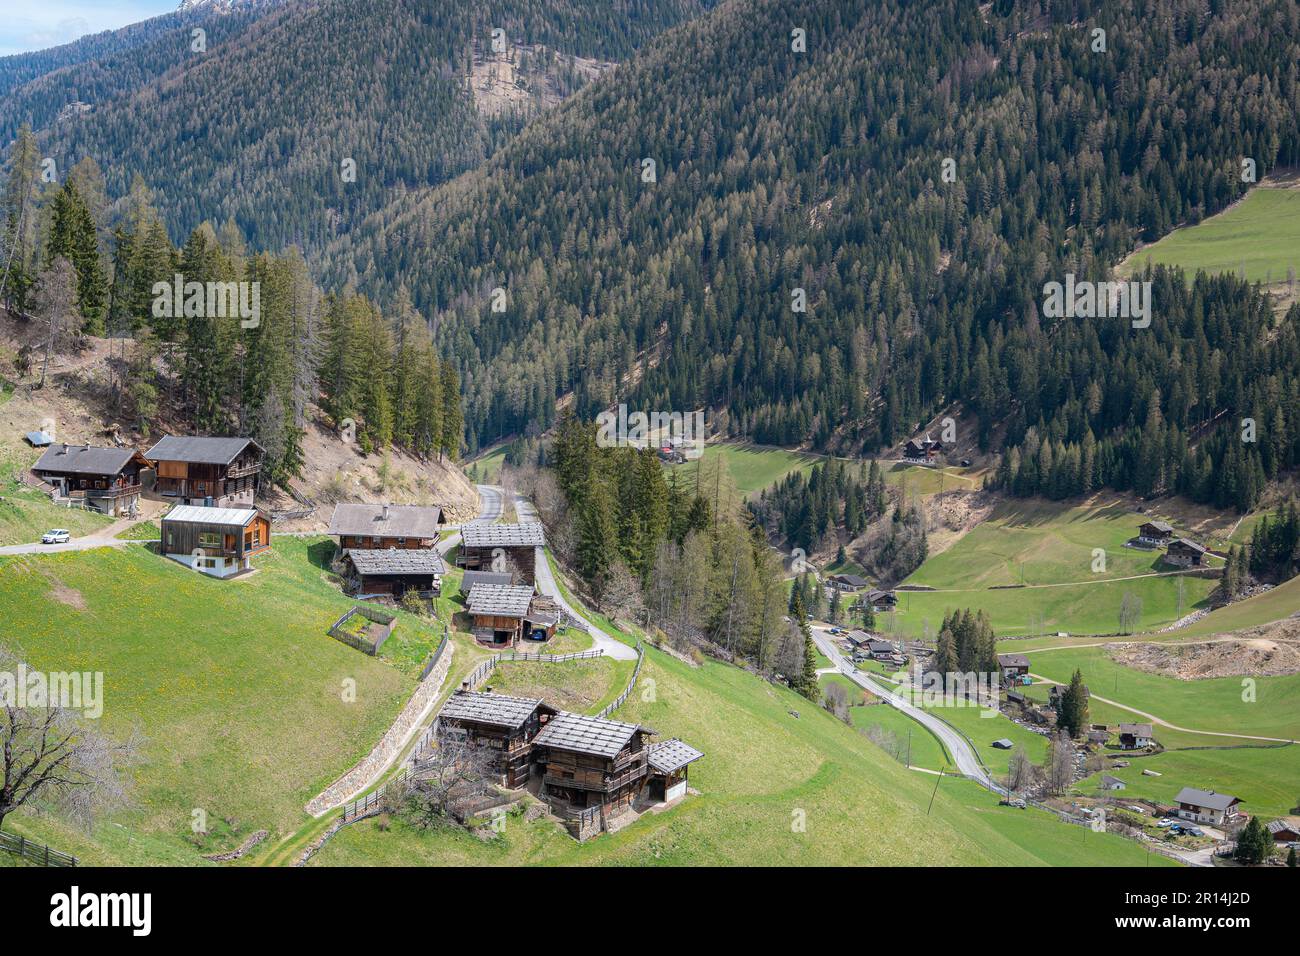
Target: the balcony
pixel 243 471
pixel 117 491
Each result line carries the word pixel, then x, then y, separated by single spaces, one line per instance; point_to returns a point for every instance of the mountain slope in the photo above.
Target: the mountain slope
pixel 822 171
pixel 258 125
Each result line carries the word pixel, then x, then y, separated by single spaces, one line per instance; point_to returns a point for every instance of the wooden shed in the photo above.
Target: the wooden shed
pixel 670 762
pixel 497 612
pixel 394 572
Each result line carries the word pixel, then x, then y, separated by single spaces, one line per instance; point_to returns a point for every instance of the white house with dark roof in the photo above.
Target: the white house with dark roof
pixel 1206 806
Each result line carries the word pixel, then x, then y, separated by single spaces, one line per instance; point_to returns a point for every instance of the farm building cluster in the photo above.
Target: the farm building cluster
pixel 592 772
pixel 1180 551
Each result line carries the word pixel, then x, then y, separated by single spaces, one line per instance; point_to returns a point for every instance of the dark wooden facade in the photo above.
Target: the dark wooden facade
pixel 184 470
pixel 584 780
pixel 504 733
pixel 106 480
pixel 522 560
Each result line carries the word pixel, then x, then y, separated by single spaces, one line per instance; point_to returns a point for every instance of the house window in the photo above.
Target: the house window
pixel 401 542
pixel 209 539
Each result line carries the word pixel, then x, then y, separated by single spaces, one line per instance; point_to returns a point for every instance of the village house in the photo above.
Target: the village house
pixel 858 640
pixel 1112 783
pixel 497 613
pixel 589 762
pixel 846 582
pixel 106 480
pixel 1013 667
pixel 501 725
pixel 881 650
pixel 217 472
pixel 1206 806
pixel 1184 553
pixel 393 572
pixel 1135 736
pixel 881 601
pixel 1155 534
pixel 382 526
pixel 486 546
pixel 924 449
pixel 217 541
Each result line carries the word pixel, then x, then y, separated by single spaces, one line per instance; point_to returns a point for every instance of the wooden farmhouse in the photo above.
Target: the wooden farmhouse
pixel 589 762
pixel 1155 534
pixel 1284 831
pixel 216 541
pixel 218 472
pixel 393 572
pixel 924 449
pixel 413 527
pixel 106 480
pixel 502 548
pixel 847 582
pixel 1185 553
pixel 497 612
pixel 670 762
pixel 881 600
pixel 504 726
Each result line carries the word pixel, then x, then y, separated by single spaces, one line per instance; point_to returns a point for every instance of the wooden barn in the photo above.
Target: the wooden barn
pixel 471 578
pixel 393 572
pixel 590 762
pixel 381 527
pixel 1185 553
pixel 505 726
pixel 106 480
pixel 497 613
pixel 502 548
pixel 220 472
pixel 217 541
pixel 670 762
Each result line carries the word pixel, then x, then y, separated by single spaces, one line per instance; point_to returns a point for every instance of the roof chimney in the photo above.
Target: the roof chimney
pixel 385 513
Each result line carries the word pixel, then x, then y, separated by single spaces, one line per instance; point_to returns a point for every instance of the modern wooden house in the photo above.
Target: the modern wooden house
pixel 497 613
pixel 587 762
pixel 1185 553
pixel 394 572
pixel 670 762
pixel 106 480
pixel 504 726
pixel 1135 736
pixel 1155 534
pixel 503 548
pixel 359 526
pixel 1206 806
pixel 216 541
pixel 218 472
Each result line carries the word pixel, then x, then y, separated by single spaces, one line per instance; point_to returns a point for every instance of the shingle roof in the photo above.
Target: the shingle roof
pixel 484 534
pixel 500 600
pixel 396 561
pixel 204 451
pixel 1110 781
pixel 586 735
pixel 498 709
pixel 1159 525
pixel 1013 660
pixel 858 637
pixel 1205 798
pixel 403 521
pixel 876 595
pixel 197 514
pixel 84 459
pixel 852 580
pixel 669 756
pixel 1281 826
pixel 880 647
pixel 1137 730
pixel 472 578
pixel 1187 543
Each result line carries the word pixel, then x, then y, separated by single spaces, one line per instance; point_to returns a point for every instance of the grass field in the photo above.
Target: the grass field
pixel 925 748
pixel 141 531
pixel 235 685
pixel 487 468
pixel 752 467
pixel 982 731
pixel 26 514
pixel 764 769
pixel 1260 234
pixel 583 686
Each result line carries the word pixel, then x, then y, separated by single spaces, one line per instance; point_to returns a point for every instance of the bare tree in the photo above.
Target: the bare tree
pixel 52 758
pixel 447 784
pixel 56 296
pixel 1059 768
pixel 1130 612
pixel 1020 771
pixel 622 595
pixel 836 699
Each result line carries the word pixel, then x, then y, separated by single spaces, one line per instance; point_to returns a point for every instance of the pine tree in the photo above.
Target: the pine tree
pixel 73 237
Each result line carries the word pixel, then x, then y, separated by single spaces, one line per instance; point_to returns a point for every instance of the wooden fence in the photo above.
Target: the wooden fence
pixel 36 852
pixel 622 698
pixel 484 669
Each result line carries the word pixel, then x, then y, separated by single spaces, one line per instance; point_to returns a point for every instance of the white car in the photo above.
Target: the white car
pixel 57 536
